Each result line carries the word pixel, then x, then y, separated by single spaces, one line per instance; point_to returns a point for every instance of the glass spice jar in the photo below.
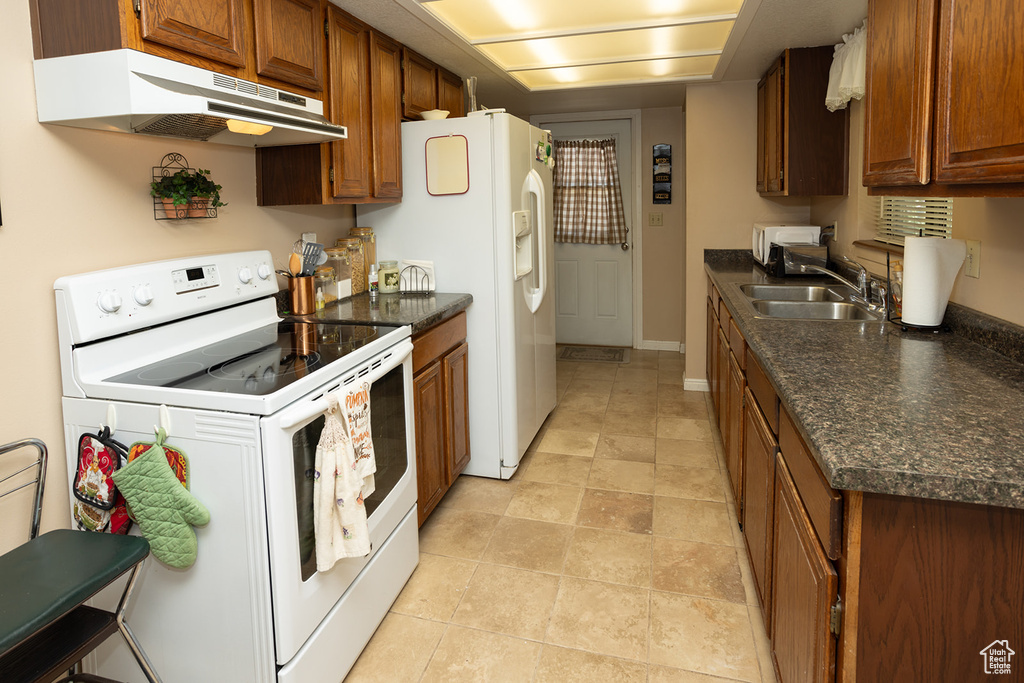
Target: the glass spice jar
pixel 387 277
pixel 356 260
pixel 323 280
pixel 369 247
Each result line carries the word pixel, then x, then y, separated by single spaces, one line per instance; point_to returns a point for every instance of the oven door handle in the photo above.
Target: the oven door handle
pixel 394 357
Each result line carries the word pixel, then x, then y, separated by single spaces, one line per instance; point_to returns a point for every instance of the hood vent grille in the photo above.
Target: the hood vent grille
pixel 185 126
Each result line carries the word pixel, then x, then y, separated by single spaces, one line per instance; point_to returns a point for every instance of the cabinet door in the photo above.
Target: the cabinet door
pixel 759 450
pixel 711 354
pixel 762 135
pixel 419 87
pixel 723 383
pixel 774 104
pixel 979 117
pixel 449 93
pixel 431 474
pixel 900 73
pixel 386 114
pixel 289 41
pixel 734 447
pixel 349 52
pixel 213 29
pixel 804 590
pixel 456 402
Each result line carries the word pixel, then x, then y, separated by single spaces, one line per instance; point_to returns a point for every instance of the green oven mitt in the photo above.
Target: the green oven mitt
pixel 162 506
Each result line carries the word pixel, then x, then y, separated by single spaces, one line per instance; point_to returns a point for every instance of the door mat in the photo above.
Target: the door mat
pixel 595 354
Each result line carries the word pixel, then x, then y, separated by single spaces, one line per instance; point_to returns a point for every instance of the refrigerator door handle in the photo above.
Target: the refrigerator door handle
pixel 533 187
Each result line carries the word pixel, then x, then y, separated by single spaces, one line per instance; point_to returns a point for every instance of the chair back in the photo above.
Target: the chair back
pixel 31 474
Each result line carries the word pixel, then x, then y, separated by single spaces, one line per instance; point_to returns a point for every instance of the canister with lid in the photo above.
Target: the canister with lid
pixel 369 246
pixel 387 274
pixel 357 262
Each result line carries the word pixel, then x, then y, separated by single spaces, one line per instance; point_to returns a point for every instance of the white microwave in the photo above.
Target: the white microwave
pixel 765 235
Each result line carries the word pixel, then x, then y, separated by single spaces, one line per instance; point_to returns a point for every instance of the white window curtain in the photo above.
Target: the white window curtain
pixel 900 217
pixel 588 199
pixel 846 77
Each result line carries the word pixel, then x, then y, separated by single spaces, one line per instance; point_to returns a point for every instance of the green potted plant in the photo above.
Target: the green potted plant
pixel 187 188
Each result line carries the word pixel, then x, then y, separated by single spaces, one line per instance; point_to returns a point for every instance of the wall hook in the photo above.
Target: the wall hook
pixel 165 421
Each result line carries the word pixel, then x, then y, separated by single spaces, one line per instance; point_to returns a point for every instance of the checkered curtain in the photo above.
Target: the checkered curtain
pixel 588 199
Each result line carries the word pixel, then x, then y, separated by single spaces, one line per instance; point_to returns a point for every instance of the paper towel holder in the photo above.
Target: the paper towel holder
pixel 891 306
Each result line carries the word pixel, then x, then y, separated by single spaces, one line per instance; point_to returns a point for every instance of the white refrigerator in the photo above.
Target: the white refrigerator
pixel 477 201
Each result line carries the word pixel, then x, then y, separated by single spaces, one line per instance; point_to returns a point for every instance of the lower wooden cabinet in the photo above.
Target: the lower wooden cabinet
pixel 441 406
pixel 803 592
pixel 759 451
pixel 733 438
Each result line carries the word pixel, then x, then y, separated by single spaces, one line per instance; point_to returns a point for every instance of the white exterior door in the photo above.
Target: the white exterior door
pixel 594 282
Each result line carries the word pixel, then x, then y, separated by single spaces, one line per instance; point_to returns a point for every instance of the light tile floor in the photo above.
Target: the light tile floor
pixel 613 554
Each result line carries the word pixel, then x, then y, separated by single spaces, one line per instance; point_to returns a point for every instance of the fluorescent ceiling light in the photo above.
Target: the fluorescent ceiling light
pixel 579 43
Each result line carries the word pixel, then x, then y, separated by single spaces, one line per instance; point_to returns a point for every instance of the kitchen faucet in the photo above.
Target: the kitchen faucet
pixel 864 284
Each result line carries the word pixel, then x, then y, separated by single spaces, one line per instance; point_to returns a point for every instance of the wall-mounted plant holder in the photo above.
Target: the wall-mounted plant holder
pixel 662 174
pixel 175 181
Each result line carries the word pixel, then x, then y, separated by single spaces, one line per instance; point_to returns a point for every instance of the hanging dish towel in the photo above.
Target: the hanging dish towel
pixel 357 422
pixel 339 516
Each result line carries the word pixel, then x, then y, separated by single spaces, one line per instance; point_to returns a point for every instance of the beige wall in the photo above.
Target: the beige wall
pixel 77 200
pixel 721 199
pixel 997 223
pixel 663 247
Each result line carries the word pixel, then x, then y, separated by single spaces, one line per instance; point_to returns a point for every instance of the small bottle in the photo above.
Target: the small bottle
pixel 373 286
pixel 897 288
pixel 320 300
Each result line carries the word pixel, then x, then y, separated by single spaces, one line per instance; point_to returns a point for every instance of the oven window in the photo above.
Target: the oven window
pixel 387 423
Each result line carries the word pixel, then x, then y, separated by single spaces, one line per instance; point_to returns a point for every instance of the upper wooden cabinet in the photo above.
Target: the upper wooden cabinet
pixel 426 86
pixel 364 76
pixel 212 29
pixel 277 42
pixel 803 148
pixel 290 42
pixel 450 96
pixel 943 113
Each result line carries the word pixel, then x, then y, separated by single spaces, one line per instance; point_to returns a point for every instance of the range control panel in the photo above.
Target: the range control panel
pixel 105 303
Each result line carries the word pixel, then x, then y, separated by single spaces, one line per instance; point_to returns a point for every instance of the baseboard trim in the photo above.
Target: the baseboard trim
pixel 696 385
pixel 650 345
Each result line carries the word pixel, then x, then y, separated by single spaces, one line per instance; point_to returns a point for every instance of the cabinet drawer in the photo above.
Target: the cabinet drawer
pixel 824 505
pixel 433 343
pixel 763 391
pixel 738 344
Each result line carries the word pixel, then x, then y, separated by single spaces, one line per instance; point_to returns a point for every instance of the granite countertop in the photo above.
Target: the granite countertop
pixel 910 413
pixel 420 311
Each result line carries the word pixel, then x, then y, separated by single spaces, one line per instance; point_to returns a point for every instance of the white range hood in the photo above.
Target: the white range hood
pixel 133 92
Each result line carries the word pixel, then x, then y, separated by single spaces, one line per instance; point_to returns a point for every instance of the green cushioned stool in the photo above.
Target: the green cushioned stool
pixel 45 627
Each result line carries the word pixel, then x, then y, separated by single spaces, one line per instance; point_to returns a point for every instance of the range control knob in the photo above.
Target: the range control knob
pixel 109 302
pixel 245 275
pixel 264 271
pixel 143 295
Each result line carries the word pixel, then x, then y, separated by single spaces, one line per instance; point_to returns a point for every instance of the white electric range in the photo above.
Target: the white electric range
pixel 196 345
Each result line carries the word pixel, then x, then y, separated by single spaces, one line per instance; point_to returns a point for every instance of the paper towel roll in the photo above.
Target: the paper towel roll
pixel 930 265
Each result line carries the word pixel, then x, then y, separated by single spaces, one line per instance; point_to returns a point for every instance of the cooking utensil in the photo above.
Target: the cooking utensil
pixel 285 273
pixel 295 264
pixel 312 252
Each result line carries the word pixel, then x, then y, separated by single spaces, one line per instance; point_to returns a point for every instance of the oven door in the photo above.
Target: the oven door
pixel 302 597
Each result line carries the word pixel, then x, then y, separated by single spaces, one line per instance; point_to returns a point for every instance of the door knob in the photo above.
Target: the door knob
pixel 625 246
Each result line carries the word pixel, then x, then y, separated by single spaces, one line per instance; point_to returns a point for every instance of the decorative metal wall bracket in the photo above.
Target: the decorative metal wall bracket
pixel 164 209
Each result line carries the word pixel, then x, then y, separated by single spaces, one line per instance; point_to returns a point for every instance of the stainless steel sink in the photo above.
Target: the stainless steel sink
pixel 791 292
pixel 813 310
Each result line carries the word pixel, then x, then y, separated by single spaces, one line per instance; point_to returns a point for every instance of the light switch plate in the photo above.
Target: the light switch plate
pixel 972 265
pixel 655 219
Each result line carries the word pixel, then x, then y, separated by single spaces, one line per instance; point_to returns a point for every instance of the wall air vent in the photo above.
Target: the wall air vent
pixel 269 93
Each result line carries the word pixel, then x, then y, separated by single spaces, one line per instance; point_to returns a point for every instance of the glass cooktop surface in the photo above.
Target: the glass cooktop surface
pixel 258 362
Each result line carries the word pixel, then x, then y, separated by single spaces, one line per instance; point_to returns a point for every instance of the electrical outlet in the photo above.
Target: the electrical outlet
pixel 972 266
pixel 835 231
pixel 655 218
